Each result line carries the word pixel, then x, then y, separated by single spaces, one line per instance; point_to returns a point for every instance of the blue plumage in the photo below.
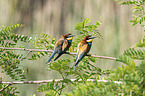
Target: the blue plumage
pixel 52 55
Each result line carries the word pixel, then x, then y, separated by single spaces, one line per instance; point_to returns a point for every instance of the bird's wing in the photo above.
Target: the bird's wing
pixel 58 45
pixel 65 44
pixel 57 48
pixel 82 47
pixel 78 50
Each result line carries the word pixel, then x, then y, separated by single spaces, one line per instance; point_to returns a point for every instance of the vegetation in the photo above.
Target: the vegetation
pixel 131 74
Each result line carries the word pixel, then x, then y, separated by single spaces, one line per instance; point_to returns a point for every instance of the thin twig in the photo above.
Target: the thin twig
pixel 5 87
pixel 61 87
pixel 39 50
pixel 25 56
pixel 98 71
pixel 34 50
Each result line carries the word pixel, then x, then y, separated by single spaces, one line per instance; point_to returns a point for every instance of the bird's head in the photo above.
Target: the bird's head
pixel 68 36
pixel 89 38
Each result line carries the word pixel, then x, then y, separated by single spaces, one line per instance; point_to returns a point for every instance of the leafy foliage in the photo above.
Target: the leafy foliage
pixel 135 54
pixel 96 89
pixel 131 73
pixel 137 10
pixel 9 60
pixel 42 41
pixel 52 87
pixel 85 70
pixel 9 63
pixel 141 43
pixel 6 34
pixel 10 91
pixel 132 77
pixel 84 28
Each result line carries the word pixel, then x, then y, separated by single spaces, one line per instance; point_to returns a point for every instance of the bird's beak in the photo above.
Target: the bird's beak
pixel 71 35
pixel 92 37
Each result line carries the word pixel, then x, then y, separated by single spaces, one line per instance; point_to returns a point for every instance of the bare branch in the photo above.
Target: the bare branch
pixel 56 80
pixel 33 50
pixel 25 56
pixel 39 50
pixel 5 87
pixel 46 81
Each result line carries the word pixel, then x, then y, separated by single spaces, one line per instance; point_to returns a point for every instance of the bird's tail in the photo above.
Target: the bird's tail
pixel 76 63
pixel 52 55
pixel 58 56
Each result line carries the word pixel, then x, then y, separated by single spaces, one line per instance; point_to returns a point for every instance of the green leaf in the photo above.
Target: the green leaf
pixel 86 21
pixel 79 26
pixel 93 27
pixel 141 43
pixel 51 93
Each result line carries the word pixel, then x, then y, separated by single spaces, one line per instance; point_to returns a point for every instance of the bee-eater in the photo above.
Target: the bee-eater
pixel 61 46
pixel 83 48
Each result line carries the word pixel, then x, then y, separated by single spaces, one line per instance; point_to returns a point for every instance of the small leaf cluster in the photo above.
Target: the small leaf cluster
pixel 37 55
pixel 135 54
pixel 9 63
pixel 96 89
pixel 10 91
pixel 53 88
pixel 42 41
pixel 141 43
pixel 6 34
pixel 137 10
pixel 84 28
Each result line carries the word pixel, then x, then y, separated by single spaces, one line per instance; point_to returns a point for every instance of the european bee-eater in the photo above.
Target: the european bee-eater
pixel 83 48
pixel 61 46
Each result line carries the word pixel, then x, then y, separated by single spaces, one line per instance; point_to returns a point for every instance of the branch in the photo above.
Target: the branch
pixel 46 81
pixel 32 50
pixel 25 56
pixel 5 87
pixel 39 50
pixel 56 80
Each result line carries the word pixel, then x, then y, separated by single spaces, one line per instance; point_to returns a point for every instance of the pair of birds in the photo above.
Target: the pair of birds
pixel 63 44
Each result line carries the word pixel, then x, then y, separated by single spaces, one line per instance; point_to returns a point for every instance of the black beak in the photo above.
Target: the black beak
pixel 71 35
pixel 92 37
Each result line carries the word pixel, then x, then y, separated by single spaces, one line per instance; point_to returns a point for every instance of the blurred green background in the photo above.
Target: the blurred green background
pixel 57 17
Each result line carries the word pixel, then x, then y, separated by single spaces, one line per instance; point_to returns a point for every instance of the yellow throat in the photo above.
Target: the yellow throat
pixel 90 40
pixel 70 38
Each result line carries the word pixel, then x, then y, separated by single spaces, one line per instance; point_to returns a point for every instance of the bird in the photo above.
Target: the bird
pixel 83 48
pixel 61 46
